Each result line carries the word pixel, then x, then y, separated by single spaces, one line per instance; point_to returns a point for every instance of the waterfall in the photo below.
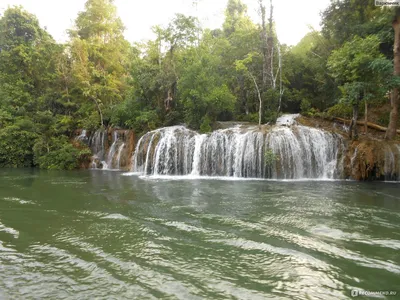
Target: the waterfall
pixel 111 159
pixel 83 136
pixel 391 166
pixel 119 155
pixel 97 145
pixel 111 152
pixel 298 152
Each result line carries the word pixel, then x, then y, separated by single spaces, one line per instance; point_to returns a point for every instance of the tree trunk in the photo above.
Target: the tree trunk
pixel 270 49
pixel 394 99
pixel 369 124
pixel 259 98
pixel 281 90
pixel 366 117
pixel 100 112
pixel 243 100
pixel 264 50
pixel 353 126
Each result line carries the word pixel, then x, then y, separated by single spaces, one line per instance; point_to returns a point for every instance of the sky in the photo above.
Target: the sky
pixel 293 17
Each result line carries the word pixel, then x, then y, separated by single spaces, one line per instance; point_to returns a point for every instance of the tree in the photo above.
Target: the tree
pixel 344 19
pixel 99 55
pixel 241 37
pixel 242 66
pixel 26 62
pixel 268 44
pixel 202 87
pixel 394 95
pixel 352 65
pixel 179 34
pixel 235 16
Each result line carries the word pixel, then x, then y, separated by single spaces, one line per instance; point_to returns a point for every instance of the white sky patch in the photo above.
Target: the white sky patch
pixel 292 17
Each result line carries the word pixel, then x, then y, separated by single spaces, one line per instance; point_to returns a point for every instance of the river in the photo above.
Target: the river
pixel 103 235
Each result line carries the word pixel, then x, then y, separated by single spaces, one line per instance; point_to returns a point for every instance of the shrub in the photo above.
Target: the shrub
pixel 270 157
pixel 342 110
pixel 205 126
pixel 16 147
pixel 305 106
pixel 59 154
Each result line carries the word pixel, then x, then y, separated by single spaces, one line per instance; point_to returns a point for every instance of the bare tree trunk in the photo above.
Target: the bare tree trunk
pixel 353 126
pixel 243 100
pixel 259 98
pixel 267 44
pixel 366 117
pixel 281 90
pixel 264 47
pixel 270 48
pixel 99 110
pixel 394 100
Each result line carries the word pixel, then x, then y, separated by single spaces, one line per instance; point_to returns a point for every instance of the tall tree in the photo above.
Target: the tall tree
pixel 99 55
pixel 243 37
pixel 394 95
pixel 352 66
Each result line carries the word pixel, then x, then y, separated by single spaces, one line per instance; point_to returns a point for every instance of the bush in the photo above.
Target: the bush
pixel 205 126
pixel 305 106
pixel 59 154
pixel 16 147
pixel 270 158
pixel 251 117
pixel 341 110
pixel 92 122
pixel 173 118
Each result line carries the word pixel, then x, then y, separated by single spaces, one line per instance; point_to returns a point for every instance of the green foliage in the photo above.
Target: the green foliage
pixel 59 154
pixel 65 158
pixel 205 126
pixel 384 120
pixel 100 57
pixel 305 106
pixel 342 110
pixel 16 147
pixel 251 117
pixel 270 158
pixel 352 62
pixel 202 88
pixel 355 66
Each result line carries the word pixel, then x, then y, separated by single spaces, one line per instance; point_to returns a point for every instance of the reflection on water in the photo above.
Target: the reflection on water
pixel 98 234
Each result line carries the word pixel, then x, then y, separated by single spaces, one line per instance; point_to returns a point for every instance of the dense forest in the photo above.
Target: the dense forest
pixel 187 74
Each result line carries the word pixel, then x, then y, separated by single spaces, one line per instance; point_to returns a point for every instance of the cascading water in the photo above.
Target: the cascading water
pixel 392 162
pixel 119 153
pixel 97 145
pixel 83 136
pixel 114 154
pixel 298 152
pixel 103 159
pixel 111 152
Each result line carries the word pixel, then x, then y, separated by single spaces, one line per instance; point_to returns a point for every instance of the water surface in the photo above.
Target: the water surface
pixel 101 235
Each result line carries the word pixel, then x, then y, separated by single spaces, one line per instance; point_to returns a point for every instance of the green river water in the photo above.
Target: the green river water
pixel 102 235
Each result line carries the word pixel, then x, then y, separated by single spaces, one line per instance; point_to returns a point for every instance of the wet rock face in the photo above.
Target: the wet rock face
pixel 373 160
pixel 111 148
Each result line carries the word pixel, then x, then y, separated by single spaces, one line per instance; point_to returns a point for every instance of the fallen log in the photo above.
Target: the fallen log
pixel 369 124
